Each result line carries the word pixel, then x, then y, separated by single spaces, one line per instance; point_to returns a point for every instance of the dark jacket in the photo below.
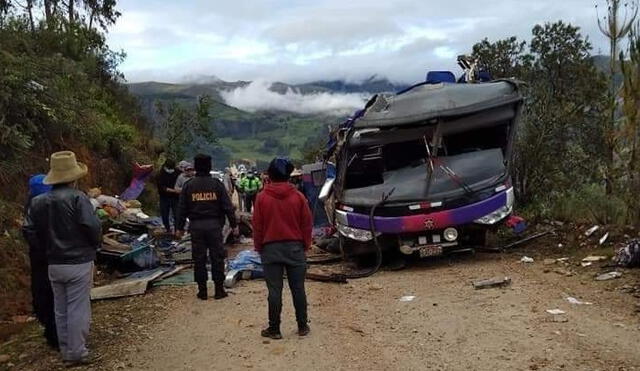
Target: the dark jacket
pixel 64 221
pixel 204 198
pixel 281 214
pixel 166 180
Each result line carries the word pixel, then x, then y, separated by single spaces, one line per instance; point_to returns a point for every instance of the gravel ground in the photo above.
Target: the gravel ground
pixel 363 325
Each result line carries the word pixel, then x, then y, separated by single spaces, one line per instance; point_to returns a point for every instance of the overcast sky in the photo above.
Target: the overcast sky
pixel 303 40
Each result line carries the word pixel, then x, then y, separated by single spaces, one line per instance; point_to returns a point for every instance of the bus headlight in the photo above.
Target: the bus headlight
pixel 361 235
pixel 450 234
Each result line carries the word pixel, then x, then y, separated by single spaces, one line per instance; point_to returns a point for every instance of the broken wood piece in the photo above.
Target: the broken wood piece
pixel 491 282
pixel 135 284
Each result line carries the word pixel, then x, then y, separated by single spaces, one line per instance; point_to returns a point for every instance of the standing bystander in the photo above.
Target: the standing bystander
pixel 64 221
pixel 282 227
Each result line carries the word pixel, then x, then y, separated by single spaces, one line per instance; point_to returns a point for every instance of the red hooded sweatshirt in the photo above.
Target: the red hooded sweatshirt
pixel 281 213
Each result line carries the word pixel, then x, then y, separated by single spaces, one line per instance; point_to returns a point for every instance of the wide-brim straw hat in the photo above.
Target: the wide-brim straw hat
pixel 64 168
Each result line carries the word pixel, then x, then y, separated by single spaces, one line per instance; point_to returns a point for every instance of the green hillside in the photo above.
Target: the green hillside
pixel 242 135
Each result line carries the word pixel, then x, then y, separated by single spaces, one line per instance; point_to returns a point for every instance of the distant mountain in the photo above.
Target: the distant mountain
pixel 373 85
pixel 259 135
pixel 213 86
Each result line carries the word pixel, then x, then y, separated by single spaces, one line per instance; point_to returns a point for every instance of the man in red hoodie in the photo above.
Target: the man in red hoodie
pixel 282 226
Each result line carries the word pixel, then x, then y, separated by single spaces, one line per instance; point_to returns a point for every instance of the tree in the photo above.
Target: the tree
pixel 615 26
pixel 503 59
pixel 559 140
pixel 630 130
pixel 180 125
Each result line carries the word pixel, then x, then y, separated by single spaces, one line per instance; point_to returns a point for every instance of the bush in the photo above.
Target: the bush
pixel 588 204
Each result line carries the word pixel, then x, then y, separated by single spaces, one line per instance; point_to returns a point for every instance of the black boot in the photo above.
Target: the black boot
pixel 202 291
pixel 52 338
pixel 303 329
pixel 272 333
pixel 220 293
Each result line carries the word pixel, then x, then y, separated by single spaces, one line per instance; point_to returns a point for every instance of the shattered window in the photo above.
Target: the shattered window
pixel 476 140
pixel 365 167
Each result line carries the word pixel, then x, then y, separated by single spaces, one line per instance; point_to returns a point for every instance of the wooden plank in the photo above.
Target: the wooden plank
pixel 125 287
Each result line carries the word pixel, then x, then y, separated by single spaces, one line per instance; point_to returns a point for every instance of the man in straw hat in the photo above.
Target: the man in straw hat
pixel 64 221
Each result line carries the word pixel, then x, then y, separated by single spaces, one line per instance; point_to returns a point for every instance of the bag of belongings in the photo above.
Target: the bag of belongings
pixel 629 256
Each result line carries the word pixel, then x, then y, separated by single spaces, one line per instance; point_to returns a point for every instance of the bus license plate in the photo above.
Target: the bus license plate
pixel 426 251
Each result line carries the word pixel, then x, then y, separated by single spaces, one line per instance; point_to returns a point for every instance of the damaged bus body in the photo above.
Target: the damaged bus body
pixel 425 171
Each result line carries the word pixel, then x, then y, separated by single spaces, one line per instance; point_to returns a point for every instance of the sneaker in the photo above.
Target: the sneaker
pixel 271 333
pixel 304 330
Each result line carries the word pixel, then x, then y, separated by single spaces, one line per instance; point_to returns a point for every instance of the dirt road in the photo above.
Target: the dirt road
pixel 364 326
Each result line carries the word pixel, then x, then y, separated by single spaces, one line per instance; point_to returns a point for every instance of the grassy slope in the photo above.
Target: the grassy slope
pixel 247 135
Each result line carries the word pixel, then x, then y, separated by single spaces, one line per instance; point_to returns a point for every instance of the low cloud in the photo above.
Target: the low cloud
pixel 258 96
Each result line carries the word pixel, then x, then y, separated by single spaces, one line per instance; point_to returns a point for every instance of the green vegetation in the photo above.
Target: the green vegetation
pixel 240 135
pixel 180 126
pixel 567 166
pixel 59 89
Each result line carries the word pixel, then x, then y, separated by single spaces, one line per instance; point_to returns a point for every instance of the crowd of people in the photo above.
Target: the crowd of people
pixel 64 233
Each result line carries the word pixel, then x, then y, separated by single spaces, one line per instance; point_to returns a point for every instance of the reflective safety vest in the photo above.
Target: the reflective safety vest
pixel 250 185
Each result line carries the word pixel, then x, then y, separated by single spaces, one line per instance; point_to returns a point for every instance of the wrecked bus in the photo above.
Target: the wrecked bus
pixel 426 171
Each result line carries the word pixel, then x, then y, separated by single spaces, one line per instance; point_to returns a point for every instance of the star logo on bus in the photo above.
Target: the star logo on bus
pixel 429 224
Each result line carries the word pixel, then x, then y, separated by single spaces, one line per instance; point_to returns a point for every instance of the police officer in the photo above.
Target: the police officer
pixel 204 200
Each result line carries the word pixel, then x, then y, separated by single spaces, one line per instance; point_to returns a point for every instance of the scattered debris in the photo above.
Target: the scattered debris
pixel 135 284
pixel 246 265
pixel 591 230
pixel 526 259
pixel 609 276
pixel 407 298
pixel 575 301
pixel 560 245
pixel 604 238
pixel 491 282
pixel 594 258
pixel 549 261
pixel 586 264
pixel 564 272
pixel 629 255
pixel 555 311
pixel 327 277
pixel 560 260
pixel 524 240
